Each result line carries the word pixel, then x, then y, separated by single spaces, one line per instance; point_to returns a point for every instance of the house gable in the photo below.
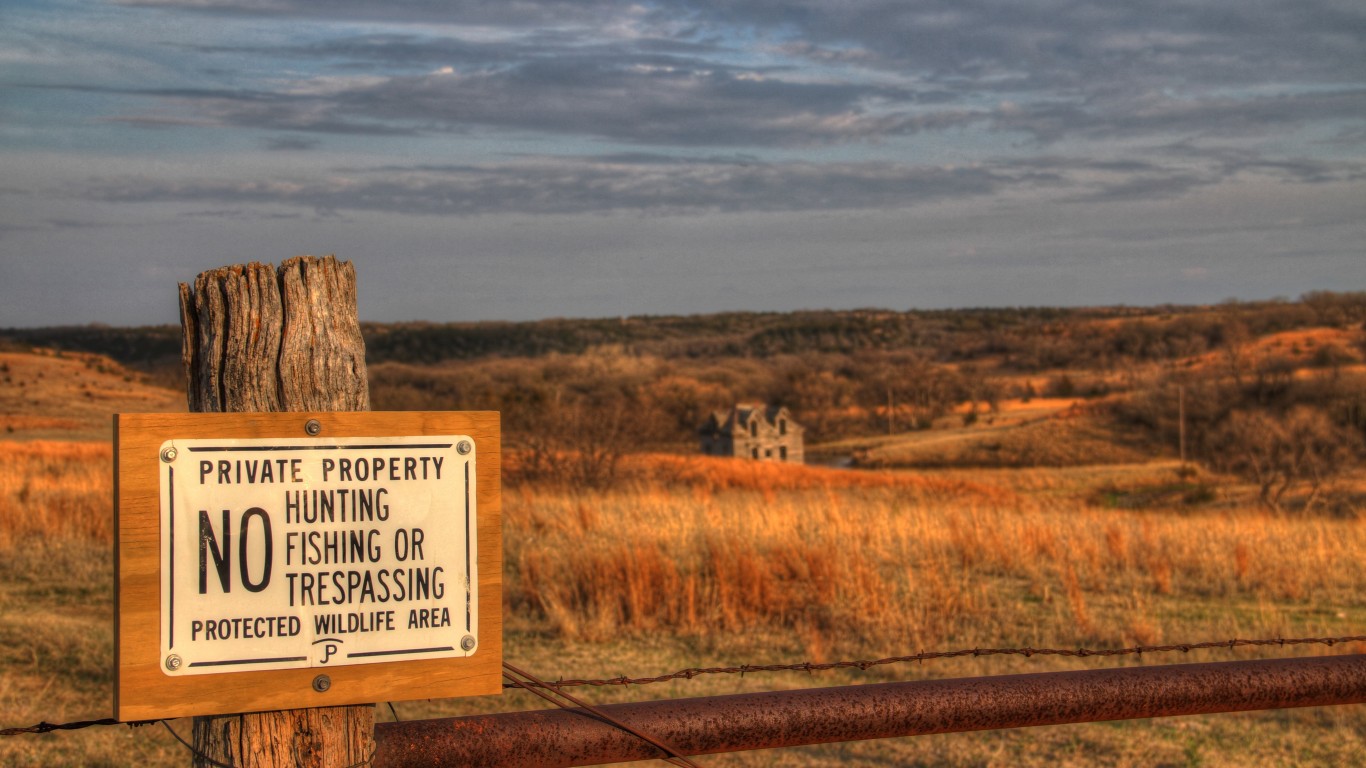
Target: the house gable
pixel 766 433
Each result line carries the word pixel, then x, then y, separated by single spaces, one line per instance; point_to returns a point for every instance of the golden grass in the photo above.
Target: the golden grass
pixel 704 561
pixel 1070 438
pixel 70 395
pixel 55 491
pixel 18 422
pixel 666 472
pixel 1300 344
pixel 899 561
pixel 702 546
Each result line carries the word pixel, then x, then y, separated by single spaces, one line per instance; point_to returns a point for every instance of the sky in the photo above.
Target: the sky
pixel 524 159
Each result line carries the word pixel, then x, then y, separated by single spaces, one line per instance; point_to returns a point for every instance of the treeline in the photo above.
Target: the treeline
pixel 141 347
pixel 1169 333
pixel 944 335
pixel 584 391
pixel 1020 339
pixel 649 401
pixel 1278 426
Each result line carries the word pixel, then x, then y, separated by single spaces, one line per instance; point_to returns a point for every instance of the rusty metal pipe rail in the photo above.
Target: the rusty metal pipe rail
pixel 545 738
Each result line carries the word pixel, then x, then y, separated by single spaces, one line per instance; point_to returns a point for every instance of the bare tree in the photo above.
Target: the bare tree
pixel 1303 446
pixel 576 446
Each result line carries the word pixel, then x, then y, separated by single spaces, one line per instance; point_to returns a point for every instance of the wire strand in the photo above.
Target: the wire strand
pixel 531 683
pixel 864 665
pixel 675 757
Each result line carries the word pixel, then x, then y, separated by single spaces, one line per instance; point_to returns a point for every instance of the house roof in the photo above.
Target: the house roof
pixel 740 416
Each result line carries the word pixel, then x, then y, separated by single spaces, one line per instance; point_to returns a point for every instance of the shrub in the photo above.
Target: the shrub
pixel 1303 447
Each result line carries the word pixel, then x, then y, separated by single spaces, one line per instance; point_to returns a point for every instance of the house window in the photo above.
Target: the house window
pixel 754 452
pixel 782 452
pixel 782 426
pixel 768 453
pixel 754 429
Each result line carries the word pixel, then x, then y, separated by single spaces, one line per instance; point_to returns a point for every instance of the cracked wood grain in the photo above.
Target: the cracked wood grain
pixel 260 339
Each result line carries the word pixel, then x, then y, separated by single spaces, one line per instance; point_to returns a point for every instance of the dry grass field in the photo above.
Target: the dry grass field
pixel 879 562
pixel 1046 433
pixel 70 395
pixel 695 561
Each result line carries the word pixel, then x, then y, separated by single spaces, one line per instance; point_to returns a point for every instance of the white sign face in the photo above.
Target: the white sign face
pixel 282 553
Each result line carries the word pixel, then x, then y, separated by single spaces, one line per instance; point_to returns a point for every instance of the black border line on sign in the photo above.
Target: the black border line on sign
pixel 225 448
pixel 360 654
pixel 221 448
pixel 170 628
pixel 246 661
pixel 469 572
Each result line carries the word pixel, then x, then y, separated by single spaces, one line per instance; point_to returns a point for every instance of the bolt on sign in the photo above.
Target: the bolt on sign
pixel 277 561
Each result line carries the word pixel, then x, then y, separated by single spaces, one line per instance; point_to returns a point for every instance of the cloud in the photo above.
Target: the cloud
pixel 1088 46
pixel 795 73
pixel 557 186
pixel 58 225
pixel 291 144
pixel 1085 47
pixel 639 104
pixel 1174 170
pixel 1152 115
pixel 661 184
pixel 644 104
pixel 467 50
pixel 308 110
pixel 239 214
pixel 764 73
pixel 157 122
pixel 470 12
pixel 1228 162
pixel 1153 186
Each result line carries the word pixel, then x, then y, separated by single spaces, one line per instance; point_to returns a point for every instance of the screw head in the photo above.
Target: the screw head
pixel 173 662
pixel 321 683
pixel 168 455
pixel 468 642
pixel 464 447
pixel 313 427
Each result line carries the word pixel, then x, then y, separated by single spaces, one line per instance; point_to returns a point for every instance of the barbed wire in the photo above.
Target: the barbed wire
pixel 808 666
pixel 46 727
pixel 532 684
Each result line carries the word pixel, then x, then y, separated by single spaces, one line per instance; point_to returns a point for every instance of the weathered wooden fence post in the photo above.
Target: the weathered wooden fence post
pixel 259 339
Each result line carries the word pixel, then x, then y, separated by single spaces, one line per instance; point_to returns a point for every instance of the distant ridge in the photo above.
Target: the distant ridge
pixel 954 334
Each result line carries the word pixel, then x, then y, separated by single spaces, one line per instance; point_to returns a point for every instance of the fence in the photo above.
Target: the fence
pixel 553 738
pixel 673 729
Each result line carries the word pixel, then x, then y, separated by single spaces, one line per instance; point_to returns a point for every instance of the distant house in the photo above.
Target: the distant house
pixel 753 432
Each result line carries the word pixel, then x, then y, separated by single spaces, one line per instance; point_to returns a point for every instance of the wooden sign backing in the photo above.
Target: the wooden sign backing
pixel 143 691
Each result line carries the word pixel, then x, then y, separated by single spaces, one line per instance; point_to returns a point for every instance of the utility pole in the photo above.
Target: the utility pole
pixel 1181 422
pixel 891 411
